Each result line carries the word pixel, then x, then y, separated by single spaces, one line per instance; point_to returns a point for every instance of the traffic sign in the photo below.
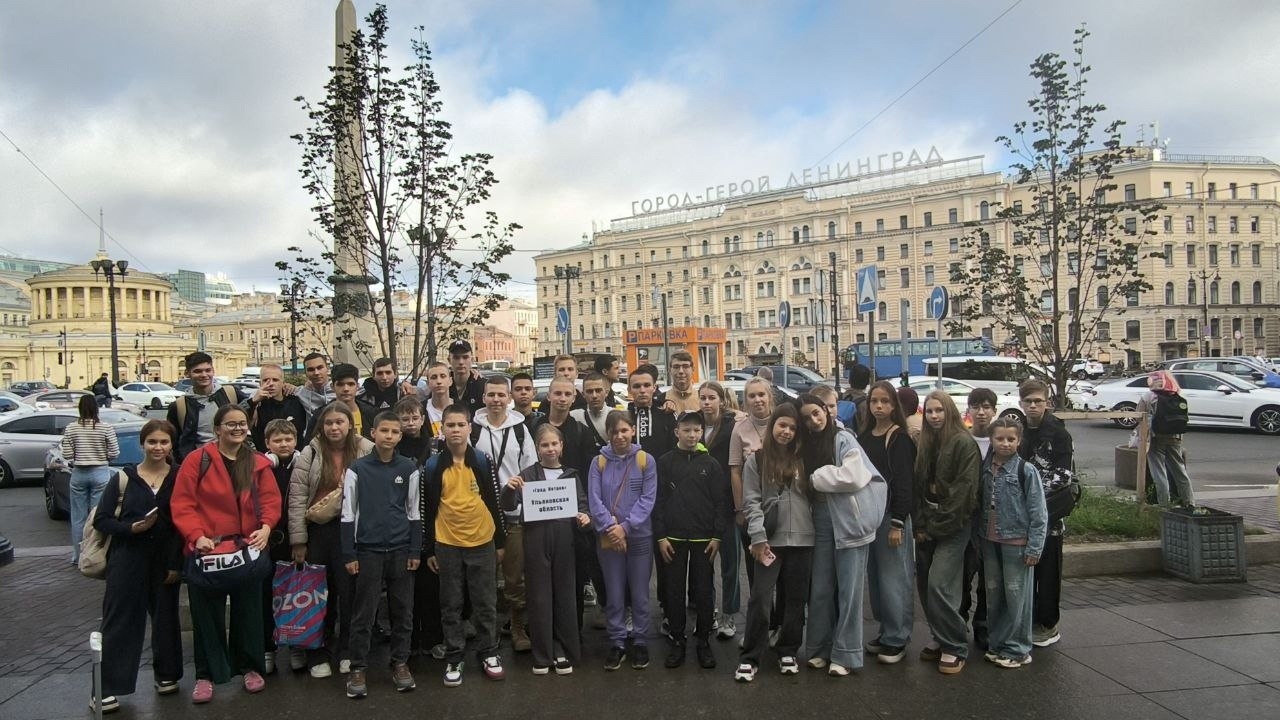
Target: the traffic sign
pixel 562 320
pixel 784 314
pixel 867 283
pixel 939 302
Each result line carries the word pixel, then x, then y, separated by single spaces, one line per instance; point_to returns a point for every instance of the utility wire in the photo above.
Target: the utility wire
pixel 916 84
pixel 58 187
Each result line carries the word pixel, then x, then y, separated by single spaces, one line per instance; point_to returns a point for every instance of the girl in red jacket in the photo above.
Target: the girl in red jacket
pixel 226 491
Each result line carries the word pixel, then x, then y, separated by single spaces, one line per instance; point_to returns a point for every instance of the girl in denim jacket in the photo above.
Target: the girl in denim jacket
pixel 1012 526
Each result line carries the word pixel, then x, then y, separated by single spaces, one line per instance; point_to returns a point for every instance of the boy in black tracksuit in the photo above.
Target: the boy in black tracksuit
pixel 280 439
pixel 689 518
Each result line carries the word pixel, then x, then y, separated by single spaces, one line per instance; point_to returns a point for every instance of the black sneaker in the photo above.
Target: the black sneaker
pixel 617 654
pixel 890 654
pixel 875 647
pixel 639 657
pixel 706 658
pixel 675 656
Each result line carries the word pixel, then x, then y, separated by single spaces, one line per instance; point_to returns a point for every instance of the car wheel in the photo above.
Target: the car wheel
pixel 1081 375
pixel 50 508
pixel 1128 423
pixel 1267 420
pixel 1015 415
pixel 6 474
pixel 156 404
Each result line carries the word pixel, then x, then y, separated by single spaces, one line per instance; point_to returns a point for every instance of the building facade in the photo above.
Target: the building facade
pixel 519 319
pixel 729 264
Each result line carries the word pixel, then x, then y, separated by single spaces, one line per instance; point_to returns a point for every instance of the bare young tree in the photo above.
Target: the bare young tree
pixel 405 217
pixel 1070 256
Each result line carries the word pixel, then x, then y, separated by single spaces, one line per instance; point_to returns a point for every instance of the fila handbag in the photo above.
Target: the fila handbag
pixel 232 564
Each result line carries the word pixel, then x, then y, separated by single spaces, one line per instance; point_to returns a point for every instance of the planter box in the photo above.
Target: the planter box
pixel 1203 548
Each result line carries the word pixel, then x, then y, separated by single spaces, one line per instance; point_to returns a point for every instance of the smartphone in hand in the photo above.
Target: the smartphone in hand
pixel 768 559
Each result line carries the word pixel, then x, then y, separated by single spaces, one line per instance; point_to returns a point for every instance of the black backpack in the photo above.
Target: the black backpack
pixel 1171 417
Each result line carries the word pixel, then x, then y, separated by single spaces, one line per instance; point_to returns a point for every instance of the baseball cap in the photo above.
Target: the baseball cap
pixel 459 347
pixel 691 416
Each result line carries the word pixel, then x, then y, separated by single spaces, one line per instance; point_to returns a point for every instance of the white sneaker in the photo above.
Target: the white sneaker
pixel 727 628
pixel 746 672
pixel 817 663
pixel 321 671
pixel 344 667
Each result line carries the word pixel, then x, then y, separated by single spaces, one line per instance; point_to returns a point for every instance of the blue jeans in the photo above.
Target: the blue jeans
pixel 1009 593
pixel 835 595
pixel 86 489
pixel 941 560
pixel 890 579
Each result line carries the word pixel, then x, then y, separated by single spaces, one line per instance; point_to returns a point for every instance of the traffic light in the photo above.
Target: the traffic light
pixel 59 358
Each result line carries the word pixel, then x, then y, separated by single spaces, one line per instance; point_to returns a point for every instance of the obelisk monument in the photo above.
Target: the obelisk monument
pixel 355 339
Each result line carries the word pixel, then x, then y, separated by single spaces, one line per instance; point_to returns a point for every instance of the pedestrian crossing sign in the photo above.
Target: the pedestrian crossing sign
pixel 867 281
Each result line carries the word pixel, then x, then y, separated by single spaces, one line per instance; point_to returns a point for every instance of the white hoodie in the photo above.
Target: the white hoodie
pixel 518 455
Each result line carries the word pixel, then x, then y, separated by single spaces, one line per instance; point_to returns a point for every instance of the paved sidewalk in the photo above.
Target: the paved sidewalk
pixel 1132 648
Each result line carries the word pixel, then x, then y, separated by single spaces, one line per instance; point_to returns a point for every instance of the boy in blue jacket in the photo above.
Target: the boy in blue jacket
pixel 382 545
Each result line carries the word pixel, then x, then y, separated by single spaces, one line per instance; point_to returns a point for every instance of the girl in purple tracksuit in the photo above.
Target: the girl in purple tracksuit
pixel 621 490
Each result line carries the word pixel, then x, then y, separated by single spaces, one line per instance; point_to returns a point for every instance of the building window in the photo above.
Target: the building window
pixel 1131 300
pixel 928 247
pixel 880 276
pixel 1168 223
pixel 1233 224
pixel 1191 224
pixel 1257 327
pixel 1253 224
pixel 1253 191
pixel 684 274
pixel 1232 188
pixel 1213 191
pixel 1255 254
pixel 1170 329
pixel 1104 297
pixel 1191 190
pixel 882 312
pixel 768 238
pixel 1168 294
pixel 857 256
pixel 1235 293
pixel 1073 298
pixel 1104 331
pixel 904 251
pixel 1191 255
pixel 953 245
pixel 1191 292
pixel 764 289
pixel 1132 330
pixel 1193 328
pixel 1131 225
pixel 902 222
pixel 984 210
pixel 904 275
pixel 706 247
pixel 1233 254
pixel 928 219
pixel 928 275
pixel 1213 255
pixel 1168 254
pixel 1046 302
pixel 857 228
pixel 1211 224
pixel 1130 192
pixel 1168 189
pixel 801 286
pixel 1018 263
pixel 880 254
pixel 1257 292
pixel 1213 293
pixel 831 230
pixel 759 241
pixel 804 233
pixel 1215 328
pixel 880 225
pixel 953 215
pixel 687 297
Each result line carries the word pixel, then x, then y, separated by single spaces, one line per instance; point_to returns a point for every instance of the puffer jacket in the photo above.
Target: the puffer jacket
pixel 305 481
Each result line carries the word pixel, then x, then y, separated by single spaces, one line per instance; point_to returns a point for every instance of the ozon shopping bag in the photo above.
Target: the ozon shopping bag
pixel 299 596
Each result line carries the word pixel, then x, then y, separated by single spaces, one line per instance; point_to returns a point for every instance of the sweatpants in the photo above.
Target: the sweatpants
pixel 324 547
pixel 587 570
pixel 730 561
pixel 691 562
pixel 550 572
pixel 475 570
pixel 427 630
pixel 221 652
pixel 627 574
pixel 389 569
pixel 135 590
pixel 791 567
pixel 1048 583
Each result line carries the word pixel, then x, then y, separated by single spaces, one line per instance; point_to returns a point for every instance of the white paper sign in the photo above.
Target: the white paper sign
pixel 550 499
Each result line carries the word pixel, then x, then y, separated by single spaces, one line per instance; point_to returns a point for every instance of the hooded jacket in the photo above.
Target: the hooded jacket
pixel 693 497
pixel 781 516
pixel 304 482
pixel 946 487
pixel 207 504
pixel 509 445
pixel 624 491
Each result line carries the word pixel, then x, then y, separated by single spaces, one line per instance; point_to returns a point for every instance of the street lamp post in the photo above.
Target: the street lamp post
pixel 141 336
pixel 660 303
pixel 1205 279
pixel 835 320
pixel 568 273
pixel 111 268
pixel 292 291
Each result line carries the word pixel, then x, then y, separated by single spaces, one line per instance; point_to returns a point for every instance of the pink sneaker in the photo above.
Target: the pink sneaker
pixel 202 693
pixel 253 682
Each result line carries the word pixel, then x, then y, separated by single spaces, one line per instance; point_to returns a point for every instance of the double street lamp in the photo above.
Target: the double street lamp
pixel 111 268
pixel 568 273
pixel 141 337
pixel 1205 279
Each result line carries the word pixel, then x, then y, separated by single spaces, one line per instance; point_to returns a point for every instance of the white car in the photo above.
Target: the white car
pixel 1006 403
pixel 153 395
pixel 1214 399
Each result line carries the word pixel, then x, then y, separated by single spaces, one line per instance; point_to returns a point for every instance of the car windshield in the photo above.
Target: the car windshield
pixel 158 387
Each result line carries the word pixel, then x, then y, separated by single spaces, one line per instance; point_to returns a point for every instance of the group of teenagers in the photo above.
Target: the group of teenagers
pixel 412 498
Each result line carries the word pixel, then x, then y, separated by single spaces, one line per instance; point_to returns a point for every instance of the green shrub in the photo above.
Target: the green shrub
pixel 1104 516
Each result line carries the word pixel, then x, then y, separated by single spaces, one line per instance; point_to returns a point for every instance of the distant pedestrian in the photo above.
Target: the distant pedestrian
pixel 88 447
pixel 1168 415
pixel 102 391
pixel 1012 524
pixel 143 571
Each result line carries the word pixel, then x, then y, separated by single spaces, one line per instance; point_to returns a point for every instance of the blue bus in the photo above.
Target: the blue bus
pixel 888 360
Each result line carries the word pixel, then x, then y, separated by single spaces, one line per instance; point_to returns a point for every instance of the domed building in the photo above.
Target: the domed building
pixel 67 334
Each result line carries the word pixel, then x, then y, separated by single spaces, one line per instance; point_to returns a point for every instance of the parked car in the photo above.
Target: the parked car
pixel 1006 403
pixel 739 388
pixel 183 385
pixel 800 379
pixel 70 400
pixel 1246 369
pixel 16 407
pixel 154 395
pixel 25 439
pixel 57 476
pixel 27 387
pixel 1214 399
pixel 738 375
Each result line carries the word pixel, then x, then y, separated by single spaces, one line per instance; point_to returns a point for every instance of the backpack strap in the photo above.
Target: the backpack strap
pixel 123 479
pixel 642 460
pixel 181 406
pixel 601 462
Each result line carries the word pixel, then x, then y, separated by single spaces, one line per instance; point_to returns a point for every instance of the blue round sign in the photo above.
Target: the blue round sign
pixel 939 302
pixel 784 314
pixel 562 320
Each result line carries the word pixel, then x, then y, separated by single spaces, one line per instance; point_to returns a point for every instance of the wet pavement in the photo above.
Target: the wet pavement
pixel 1132 647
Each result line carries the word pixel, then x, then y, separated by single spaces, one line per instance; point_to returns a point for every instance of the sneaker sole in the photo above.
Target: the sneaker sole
pixel 166 689
pixel 357 694
pixel 1047 641
pixel 742 677
pixel 541 670
pixel 951 669
pixel 890 659
pixel 406 688
pixel 453 683
pixel 564 671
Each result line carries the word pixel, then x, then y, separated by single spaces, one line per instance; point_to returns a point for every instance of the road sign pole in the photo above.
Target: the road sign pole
pixel 835 323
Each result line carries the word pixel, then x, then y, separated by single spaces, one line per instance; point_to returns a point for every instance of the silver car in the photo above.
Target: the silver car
pixel 26 439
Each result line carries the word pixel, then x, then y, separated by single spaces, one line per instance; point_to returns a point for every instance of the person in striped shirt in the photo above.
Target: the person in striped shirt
pixel 88 446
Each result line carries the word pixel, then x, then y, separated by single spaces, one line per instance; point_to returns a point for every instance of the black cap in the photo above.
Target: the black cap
pixel 691 416
pixel 459 347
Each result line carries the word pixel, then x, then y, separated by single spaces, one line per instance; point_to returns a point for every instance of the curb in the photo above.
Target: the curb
pixel 1144 556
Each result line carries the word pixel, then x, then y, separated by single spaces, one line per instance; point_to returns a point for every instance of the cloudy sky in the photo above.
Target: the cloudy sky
pixel 174 117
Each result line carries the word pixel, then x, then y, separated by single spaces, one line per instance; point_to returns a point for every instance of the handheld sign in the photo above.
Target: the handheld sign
pixel 550 499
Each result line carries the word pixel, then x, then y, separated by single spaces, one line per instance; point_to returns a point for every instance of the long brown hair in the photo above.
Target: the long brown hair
pixel 932 441
pixel 782 464
pixel 88 408
pixel 896 415
pixel 246 460
pixel 350 448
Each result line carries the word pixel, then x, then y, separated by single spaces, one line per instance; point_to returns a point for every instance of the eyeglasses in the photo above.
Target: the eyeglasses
pixel 1033 401
pixel 236 425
